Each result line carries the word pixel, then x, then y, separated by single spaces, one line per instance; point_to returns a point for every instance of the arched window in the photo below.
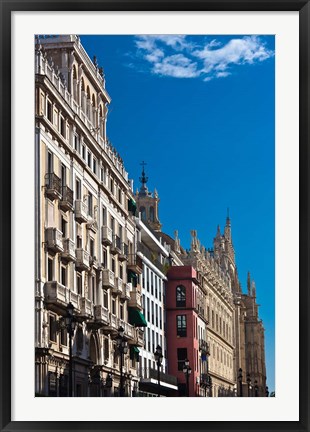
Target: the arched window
pixel 152 214
pixel 180 296
pixel 83 95
pixel 143 213
pixel 93 110
pixel 101 124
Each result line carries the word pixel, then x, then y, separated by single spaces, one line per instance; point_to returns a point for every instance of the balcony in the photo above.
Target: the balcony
pixel 93 262
pixel 135 298
pixel 151 257
pixel 92 225
pixel 139 338
pixel 66 202
pixel 82 259
pixel 106 235
pixel 122 256
pixel 126 291
pixel 81 211
pixel 152 374
pixel 86 307
pixel 101 315
pixel 56 296
pixel 112 326
pixel 68 253
pixel 203 346
pixel 118 286
pixel 129 331
pixel 52 186
pixel 116 245
pixel 135 263
pixel 53 238
pixel 108 278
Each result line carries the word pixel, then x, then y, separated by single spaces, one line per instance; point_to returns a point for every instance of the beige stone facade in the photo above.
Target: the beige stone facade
pixel 85 233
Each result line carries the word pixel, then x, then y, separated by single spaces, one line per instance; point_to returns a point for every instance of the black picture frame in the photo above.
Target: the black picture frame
pixel 7 7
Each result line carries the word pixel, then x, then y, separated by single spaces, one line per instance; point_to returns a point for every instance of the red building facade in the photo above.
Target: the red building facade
pixel 182 327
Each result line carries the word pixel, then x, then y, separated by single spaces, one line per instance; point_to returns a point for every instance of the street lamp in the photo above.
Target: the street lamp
pixel 70 323
pixel 256 388
pixel 187 371
pixel 248 380
pixel 158 354
pixel 123 349
pixel 240 382
pixel 129 376
pixel 267 391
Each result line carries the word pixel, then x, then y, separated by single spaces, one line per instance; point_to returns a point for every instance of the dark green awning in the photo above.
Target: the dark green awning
pixel 134 353
pixel 136 318
pixel 132 206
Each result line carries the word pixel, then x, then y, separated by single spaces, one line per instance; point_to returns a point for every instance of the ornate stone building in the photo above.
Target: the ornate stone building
pixel 85 232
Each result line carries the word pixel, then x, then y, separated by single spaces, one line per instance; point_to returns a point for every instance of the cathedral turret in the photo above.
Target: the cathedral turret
pixel 147 203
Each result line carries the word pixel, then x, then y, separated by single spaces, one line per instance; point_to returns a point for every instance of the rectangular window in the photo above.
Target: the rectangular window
pixel 181 356
pixel 149 339
pixel 113 306
pixel 152 287
pixel 217 322
pixel 63 227
pixel 104 258
pixel 156 315
pixel 95 165
pixel 50 269
pixel 52 328
pixel 83 152
pixel 152 309
pixel 121 311
pixel 90 204
pixel 63 127
pixel 105 299
pixel 77 143
pixel 212 319
pixel 50 162
pixel 153 341
pixel 63 175
pixel 120 196
pixel 148 309
pixel 89 158
pixel 92 247
pixel 63 275
pixel 78 241
pixel 63 337
pixel 181 326
pixel 113 264
pixel 102 175
pixel 78 189
pixel 49 111
pixel 79 283
pixel 104 216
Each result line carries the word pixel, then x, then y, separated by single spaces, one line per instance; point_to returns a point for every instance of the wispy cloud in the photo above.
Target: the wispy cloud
pixel 179 56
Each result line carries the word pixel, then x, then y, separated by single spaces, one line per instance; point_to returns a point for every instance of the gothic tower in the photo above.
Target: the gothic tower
pixel 147 203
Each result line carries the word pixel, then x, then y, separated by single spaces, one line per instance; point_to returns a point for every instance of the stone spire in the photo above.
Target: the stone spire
pixel 143 179
pixel 249 283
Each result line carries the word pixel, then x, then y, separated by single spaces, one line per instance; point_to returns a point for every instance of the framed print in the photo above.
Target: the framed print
pixel 154 178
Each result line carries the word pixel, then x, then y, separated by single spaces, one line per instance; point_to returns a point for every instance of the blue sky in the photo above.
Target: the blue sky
pixel 200 111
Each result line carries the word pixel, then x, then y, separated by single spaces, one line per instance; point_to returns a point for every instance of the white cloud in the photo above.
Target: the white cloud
pixel 212 60
pixel 177 66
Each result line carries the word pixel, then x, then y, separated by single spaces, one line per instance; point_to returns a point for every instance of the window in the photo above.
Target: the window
pixel 92 247
pixel 153 341
pixel 63 275
pixel 152 309
pixel 78 241
pixel 181 356
pixel 148 309
pixel 156 315
pixel 113 306
pixel 121 311
pixel 89 158
pixel 105 299
pixel 63 227
pixel 79 283
pixel 49 111
pixel 111 185
pixel 120 196
pixel 104 258
pixel 83 152
pixel 63 175
pixel 102 174
pixel 181 326
pixel 63 127
pixel 149 339
pixel 212 319
pixel 78 189
pixel 52 328
pixel 104 216
pixel 180 296
pixel 90 204
pixel 50 269
pixel 95 165
pixel 77 146
pixel 63 336
pixel 50 162
pixel 217 322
